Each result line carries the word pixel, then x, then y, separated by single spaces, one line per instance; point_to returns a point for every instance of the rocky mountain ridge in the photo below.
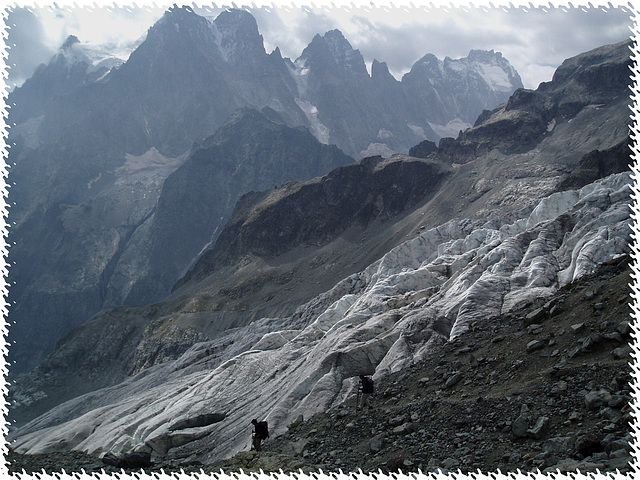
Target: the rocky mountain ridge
pixel 317 211
pixel 79 220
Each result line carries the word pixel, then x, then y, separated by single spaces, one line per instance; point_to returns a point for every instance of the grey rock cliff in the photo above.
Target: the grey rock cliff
pixel 251 151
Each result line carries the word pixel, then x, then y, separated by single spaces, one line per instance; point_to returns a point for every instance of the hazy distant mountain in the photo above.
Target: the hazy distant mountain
pixel 251 151
pixel 377 114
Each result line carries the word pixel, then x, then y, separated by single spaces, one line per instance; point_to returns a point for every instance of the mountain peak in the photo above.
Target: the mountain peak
pixel 380 71
pixel 237 22
pixel 178 14
pixel 70 42
pixel 428 62
pixel 237 34
pixel 336 41
pixel 177 22
pixel 332 51
pixel 484 55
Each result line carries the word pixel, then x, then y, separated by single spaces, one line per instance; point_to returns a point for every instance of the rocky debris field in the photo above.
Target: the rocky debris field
pixel 545 388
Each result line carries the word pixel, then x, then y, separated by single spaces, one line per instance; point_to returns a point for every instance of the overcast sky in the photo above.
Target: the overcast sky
pixel 535 40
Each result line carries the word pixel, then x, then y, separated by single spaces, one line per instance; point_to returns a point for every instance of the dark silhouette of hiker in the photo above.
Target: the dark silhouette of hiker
pixel 260 433
pixel 367 390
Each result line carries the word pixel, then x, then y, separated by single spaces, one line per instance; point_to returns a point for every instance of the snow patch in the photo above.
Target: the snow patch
pixel 152 158
pixel 94 180
pixel 384 134
pixel 107 55
pixel 318 129
pixel 495 77
pixel 451 129
pixel 374 149
pixel 28 130
pixel 418 130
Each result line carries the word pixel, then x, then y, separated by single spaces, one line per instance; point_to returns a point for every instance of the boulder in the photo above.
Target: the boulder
pixel 405 428
pixel 377 442
pixel 453 380
pixel 560 445
pixel 520 426
pixel 588 444
pixel 534 345
pixel 540 428
pixel 596 399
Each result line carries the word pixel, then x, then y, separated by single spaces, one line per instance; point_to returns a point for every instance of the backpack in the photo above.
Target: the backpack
pixel 367 385
pixel 262 429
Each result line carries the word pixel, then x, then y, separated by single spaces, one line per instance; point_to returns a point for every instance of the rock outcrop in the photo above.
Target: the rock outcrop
pixel 584 82
pixel 317 211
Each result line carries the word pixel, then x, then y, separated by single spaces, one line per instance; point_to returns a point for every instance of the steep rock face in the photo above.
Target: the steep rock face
pixel 425 291
pixel 333 84
pixel 314 212
pixel 62 272
pixel 252 151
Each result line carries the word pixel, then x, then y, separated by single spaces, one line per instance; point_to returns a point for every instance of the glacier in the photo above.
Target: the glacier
pixel 426 291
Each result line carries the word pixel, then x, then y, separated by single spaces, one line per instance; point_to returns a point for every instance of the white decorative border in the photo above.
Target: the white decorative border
pixel 634 8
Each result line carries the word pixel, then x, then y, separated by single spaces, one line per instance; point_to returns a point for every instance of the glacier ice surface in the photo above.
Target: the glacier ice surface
pixel 428 289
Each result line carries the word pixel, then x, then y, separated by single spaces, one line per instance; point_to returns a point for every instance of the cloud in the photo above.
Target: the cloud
pixel 535 40
pixel 113 25
pixel 292 29
pixel 27 45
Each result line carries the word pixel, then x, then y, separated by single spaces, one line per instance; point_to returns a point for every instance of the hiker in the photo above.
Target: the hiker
pixel 260 433
pixel 367 390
